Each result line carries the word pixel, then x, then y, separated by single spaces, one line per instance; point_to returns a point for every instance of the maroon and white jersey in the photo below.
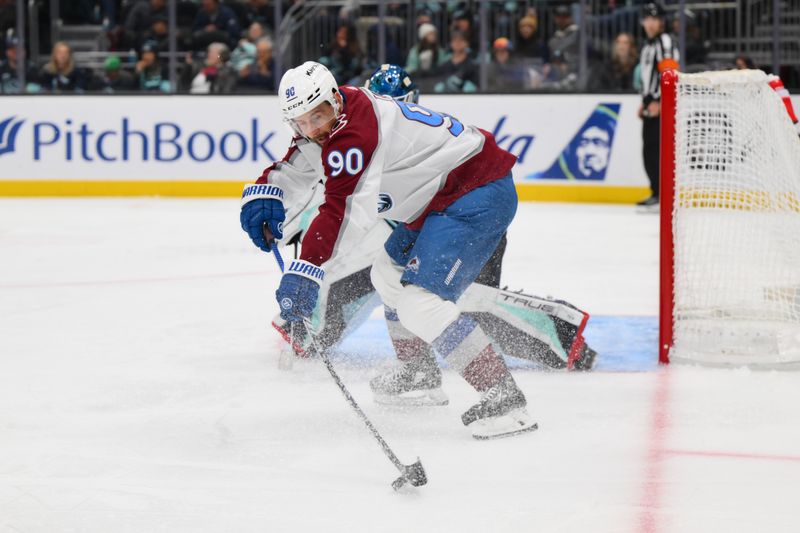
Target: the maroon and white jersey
pixel 383 159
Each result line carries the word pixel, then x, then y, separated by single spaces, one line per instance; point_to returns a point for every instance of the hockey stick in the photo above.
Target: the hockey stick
pixel 413 473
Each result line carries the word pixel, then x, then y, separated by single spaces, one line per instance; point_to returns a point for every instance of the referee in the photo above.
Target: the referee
pixel 658 54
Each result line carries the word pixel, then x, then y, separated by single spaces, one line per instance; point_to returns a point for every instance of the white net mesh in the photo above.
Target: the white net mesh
pixel 736 222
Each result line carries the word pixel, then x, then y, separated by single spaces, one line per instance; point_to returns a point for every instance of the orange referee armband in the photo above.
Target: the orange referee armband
pixel 667 64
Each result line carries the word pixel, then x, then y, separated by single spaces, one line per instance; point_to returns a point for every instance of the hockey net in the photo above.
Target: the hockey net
pixel 730 222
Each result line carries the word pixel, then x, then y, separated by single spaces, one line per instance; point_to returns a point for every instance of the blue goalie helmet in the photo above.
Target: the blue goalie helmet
pixel 393 81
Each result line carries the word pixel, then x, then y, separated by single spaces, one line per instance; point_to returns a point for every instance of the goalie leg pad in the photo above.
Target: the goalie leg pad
pixel 547 331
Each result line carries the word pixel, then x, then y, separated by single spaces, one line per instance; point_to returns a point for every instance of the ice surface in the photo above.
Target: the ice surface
pixel 139 391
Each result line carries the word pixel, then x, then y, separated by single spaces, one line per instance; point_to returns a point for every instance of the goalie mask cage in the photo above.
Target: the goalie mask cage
pixel 730 222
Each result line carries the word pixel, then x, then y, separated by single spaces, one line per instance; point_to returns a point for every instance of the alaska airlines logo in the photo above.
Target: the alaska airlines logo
pixel 517 145
pixel 8 135
pixel 385 202
pixel 587 155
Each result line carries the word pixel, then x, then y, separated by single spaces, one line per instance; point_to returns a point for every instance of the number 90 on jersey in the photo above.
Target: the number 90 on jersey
pixel 351 162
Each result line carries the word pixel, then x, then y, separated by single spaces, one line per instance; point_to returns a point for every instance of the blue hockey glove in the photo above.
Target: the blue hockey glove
pixel 262 205
pixel 299 289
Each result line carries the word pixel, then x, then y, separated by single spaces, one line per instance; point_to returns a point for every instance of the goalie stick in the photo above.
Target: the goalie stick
pixel 413 473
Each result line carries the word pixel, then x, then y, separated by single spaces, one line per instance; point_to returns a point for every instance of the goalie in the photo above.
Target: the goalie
pixel 545 331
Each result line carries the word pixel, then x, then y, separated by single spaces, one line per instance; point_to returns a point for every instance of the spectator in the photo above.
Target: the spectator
pixel 152 74
pixel 617 74
pixel 344 57
pixel 529 48
pixel 60 73
pixel 463 22
pixel 215 76
pixel 140 20
pixel 259 11
pixel 563 45
pixel 696 48
pixel 744 62
pixel 215 23
pixel 431 8
pixel 158 33
pixel 425 58
pixel 114 78
pixel 458 72
pixel 424 16
pixel 245 53
pixel 394 55
pixel 260 74
pixel 505 74
pixel 9 82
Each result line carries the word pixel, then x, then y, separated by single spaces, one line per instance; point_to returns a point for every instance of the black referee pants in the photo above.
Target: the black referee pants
pixel 651 140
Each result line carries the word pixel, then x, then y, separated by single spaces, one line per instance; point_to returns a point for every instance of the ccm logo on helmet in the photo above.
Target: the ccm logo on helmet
pixel 298 104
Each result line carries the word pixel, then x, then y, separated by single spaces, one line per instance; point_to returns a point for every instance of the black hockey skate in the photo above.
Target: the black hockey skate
pixel 417 382
pixel 648 205
pixel 500 413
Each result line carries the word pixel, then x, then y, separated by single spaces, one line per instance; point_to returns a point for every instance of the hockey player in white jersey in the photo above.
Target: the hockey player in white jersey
pixel 544 331
pixel 450 187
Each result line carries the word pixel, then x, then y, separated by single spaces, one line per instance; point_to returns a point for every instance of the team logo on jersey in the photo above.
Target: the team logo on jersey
pixel 286 303
pixel 385 202
pixel 587 155
pixel 341 122
pixel 413 265
pixel 8 135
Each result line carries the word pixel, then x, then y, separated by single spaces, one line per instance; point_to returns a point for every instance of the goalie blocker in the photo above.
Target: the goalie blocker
pixel 542 330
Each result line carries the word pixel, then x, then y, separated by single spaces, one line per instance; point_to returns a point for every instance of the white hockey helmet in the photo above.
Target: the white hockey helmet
pixel 305 87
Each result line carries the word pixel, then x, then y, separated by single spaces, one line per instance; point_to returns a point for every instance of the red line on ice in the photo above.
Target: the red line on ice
pixel 652 484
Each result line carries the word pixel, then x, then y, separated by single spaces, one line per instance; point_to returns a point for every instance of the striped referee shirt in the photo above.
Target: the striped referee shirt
pixel 658 54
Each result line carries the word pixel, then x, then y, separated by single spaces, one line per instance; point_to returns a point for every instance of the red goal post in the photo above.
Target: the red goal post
pixel 730 222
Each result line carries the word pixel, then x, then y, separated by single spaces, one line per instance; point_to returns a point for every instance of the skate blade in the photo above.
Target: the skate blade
pixel 512 423
pixel 648 209
pixel 430 397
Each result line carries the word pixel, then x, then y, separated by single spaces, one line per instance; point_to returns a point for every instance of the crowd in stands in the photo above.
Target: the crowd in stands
pixel 227 47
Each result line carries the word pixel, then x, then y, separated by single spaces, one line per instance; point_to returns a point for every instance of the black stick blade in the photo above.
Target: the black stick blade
pixel 415 474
